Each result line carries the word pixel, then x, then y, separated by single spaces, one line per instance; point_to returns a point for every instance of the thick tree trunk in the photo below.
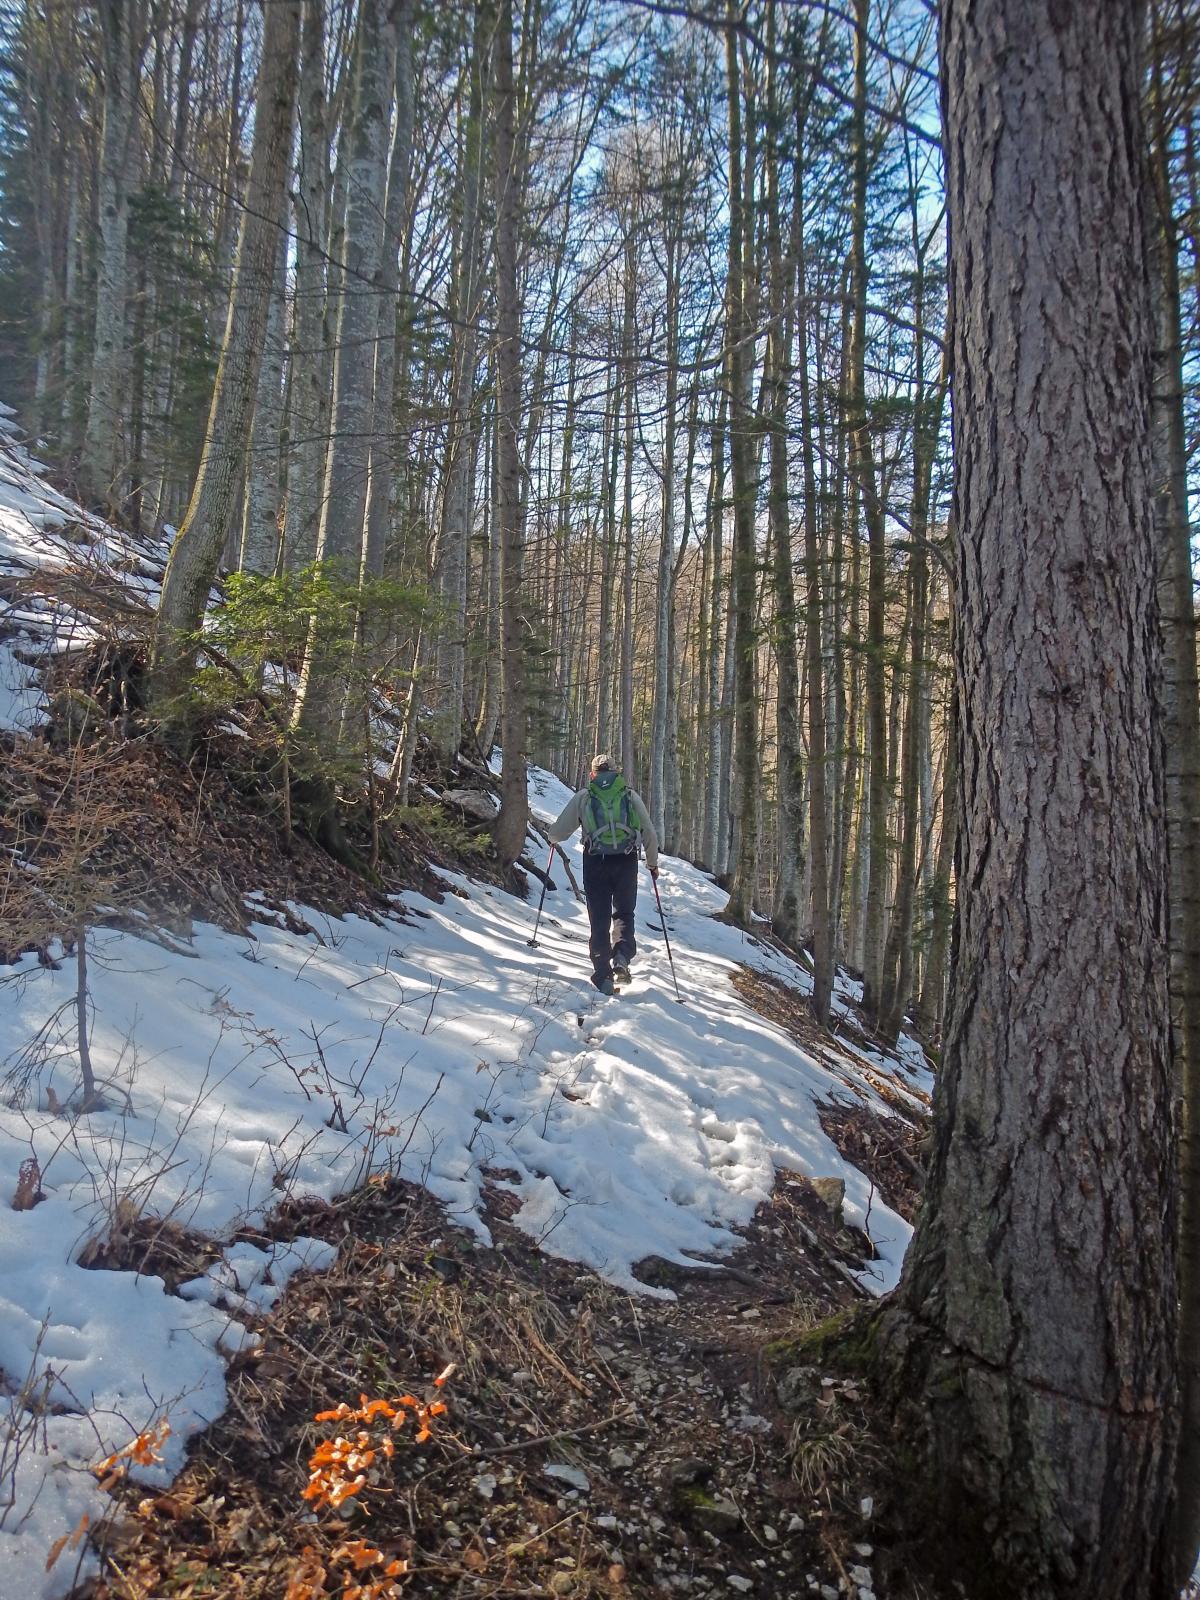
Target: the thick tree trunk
pixel 215 497
pixel 1181 701
pixel 514 794
pixel 1034 1329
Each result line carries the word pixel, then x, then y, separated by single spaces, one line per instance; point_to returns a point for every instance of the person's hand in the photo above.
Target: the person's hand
pixel 654 873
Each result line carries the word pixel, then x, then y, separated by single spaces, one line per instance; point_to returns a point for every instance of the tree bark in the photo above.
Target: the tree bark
pixel 321 695
pixel 103 444
pixel 260 519
pixel 514 795
pixel 445 726
pixel 819 819
pixel 1033 1333
pixel 1181 703
pixel 741 457
pixel 210 515
pixel 308 388
pixel 866 484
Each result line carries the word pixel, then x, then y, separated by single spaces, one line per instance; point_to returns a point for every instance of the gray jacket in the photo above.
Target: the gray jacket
pixel 572 818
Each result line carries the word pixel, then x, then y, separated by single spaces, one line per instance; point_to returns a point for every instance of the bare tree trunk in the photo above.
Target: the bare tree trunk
pixel 608 562
pixel 1033 1335
pixel 866 483
pixel 260 517
pixel 819 819
pixel 392 304
pixel 445 726
pixel 628 752
pixel 321 693
pixel 104 444
pixel 741 424
pixel 308 389
pixel 710 840
pixel 664 688
pixel 514 794
pixel 789 913
pixel 210 514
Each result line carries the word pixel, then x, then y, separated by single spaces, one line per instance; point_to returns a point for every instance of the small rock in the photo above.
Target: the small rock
pixel 795 1524
pixel 569 1475
pixel 828 1592
pixel 861 1576
pixel 831 1192
pixel 797 1389
pixel 769 1534
pixel 751 1422
pixel 866 1551
pixel 473 803
pixel 742 1585
pixel 562 1582
pixel 751 1312
pixel 607 1522
pixel 485 1485
pixel 689 1469
pixel 716 1516
pixel 867 1506
pixel 619 1459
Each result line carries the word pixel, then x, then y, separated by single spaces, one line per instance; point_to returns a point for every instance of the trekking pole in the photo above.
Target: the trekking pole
pixel 549 863
pixel 662 917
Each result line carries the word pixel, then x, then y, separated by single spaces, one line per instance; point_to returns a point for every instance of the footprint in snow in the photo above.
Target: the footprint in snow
pixel 725 1132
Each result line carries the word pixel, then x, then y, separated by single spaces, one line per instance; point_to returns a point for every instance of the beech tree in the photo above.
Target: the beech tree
pixel 206 528
pixel 1033 1333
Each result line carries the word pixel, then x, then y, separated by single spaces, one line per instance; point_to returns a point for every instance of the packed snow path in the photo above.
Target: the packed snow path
pixel 441 1045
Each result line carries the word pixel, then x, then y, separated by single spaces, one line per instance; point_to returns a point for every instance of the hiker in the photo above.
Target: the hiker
pixel 613 819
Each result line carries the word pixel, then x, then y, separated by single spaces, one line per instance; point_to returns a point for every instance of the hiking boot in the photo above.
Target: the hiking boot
pixel 621 972
pixel 605 985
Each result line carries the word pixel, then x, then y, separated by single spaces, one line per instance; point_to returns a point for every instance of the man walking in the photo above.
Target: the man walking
pixel 614 820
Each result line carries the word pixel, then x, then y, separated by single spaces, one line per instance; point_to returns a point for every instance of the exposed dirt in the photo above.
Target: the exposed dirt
pixel 151 840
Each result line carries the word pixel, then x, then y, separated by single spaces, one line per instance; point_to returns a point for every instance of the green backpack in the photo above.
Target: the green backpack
pixel 609 829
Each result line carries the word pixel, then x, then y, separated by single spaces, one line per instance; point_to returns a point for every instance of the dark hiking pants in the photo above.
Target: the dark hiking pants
pixel 610 888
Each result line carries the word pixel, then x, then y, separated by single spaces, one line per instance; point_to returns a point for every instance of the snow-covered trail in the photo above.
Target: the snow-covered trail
pixel 680 1112
pixel 442 1045
pixel 246 1069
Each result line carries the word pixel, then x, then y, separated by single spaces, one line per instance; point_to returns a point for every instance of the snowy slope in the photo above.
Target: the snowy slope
pixel 438 1045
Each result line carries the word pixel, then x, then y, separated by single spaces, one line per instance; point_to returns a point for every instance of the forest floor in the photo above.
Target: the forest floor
pixel 595 1443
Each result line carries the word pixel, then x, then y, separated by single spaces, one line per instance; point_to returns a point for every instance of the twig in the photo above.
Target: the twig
pixel 554 1438
pixel 311 1355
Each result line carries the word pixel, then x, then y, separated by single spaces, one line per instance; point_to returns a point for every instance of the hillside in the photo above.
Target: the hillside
pixel 253 1074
